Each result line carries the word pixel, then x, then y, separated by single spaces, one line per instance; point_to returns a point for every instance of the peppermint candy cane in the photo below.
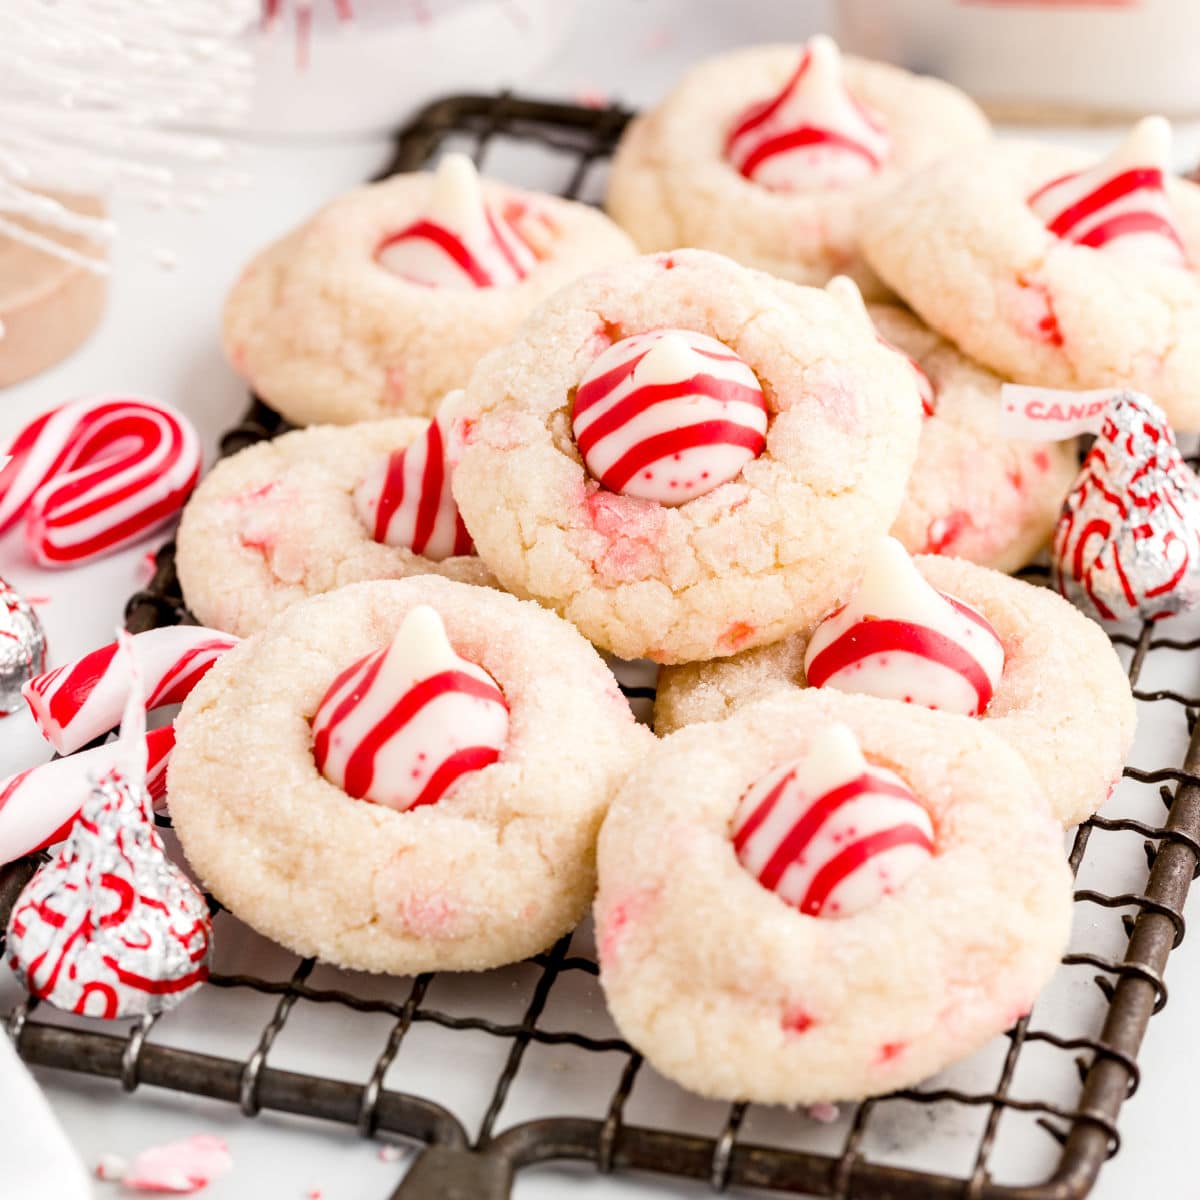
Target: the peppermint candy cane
pixel 81 701
pixel 38 806
pixel 96 474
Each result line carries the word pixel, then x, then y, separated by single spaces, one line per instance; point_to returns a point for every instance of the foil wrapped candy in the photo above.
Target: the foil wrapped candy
pixel 110 927
pixel 22 648
pixel 1127 544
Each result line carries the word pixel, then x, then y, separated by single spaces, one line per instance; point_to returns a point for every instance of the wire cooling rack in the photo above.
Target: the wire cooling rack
pixel 1032 1117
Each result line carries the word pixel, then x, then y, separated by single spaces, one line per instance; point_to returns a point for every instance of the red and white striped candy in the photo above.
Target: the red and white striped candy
pixel 1120 205
pixel 405 499
pixel 81 701
pixel 829 833
pixel 39 806
pixel 813 134
pixel 400 726
pixel 96 474
pixel 901 639
pixel 460 242
pixel 668 416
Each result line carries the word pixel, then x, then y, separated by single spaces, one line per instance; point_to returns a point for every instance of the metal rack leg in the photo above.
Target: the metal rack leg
pixel 451 1173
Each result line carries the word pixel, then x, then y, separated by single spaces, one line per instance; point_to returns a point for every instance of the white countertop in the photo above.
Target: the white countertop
pixel 160 338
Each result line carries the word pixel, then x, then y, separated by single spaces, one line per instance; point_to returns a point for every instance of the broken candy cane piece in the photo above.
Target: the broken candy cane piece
pixel 1120 205
pixel 829 833
pixel 812 134
pixel 668 416
pixel 401 726
pixel 96 474
pixel 899 638
pixel 460 241
pixel 81 701
pixel 179 1167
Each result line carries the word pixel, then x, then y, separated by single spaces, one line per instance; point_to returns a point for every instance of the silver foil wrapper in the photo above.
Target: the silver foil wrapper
pixel 22 647
pixel 1127 544
pixel 110 927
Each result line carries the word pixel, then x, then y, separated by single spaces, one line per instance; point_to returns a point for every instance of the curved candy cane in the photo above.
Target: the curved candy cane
pixel 96 474
pixel 81 701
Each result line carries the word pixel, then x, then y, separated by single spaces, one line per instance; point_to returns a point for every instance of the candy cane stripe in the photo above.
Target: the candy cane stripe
pixel 837 870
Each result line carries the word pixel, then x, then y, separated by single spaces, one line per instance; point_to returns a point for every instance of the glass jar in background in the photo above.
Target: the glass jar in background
pixel 1041 59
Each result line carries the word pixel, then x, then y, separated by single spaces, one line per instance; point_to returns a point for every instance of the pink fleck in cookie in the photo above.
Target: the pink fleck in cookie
pixel 403 776
pixel 769 154
pixel 684 457
pixel 855 896
pixel 947 634
pixel 972 494
pixel 1053 269
pixel 387 297
pixel 317 509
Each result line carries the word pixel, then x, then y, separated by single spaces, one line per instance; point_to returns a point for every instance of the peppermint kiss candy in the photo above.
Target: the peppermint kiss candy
pixel 96 474
pixel 405 499
pixel 829 833
pixel 38 806
pixel 22 647
pixel 83 700
pixel 460 242
pixel 813 134
pixel 401 725
pixel 109 927
pixel 901 639
pixel 1127 544
pixel 1120 205
pixel 668 416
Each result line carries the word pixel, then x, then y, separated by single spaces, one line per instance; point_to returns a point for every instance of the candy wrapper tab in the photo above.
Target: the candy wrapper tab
pixel 1127 544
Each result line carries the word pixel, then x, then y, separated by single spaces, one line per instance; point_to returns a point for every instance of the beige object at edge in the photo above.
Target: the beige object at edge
pixel 972 494
pixel 671 184
pixel 276 523
pixel 323 333
pixel 496 870
pixel 48 306
pixel 750 561
pixel 1063 701
pixel 961 245
pixel 735 994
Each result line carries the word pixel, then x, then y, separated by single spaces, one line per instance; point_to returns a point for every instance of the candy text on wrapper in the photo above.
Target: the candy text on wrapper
pixel 402 725
pixel 668 416
pixel 96 474
pixel 461 241
pixel 828 832
pixel 814 133
pixel 899 638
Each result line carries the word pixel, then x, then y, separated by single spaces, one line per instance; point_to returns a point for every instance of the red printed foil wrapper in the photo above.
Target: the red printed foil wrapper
pixel 22 648
pixel 1127 545
pixel 110 927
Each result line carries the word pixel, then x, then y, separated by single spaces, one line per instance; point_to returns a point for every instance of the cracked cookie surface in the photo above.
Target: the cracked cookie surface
pixel 323 333
pixel 1063 700
pixel 496 870
pixel 671 184
pixel 741 565
pixel 276 523
pixel 737 995
pixel 961 245
pixel 972 493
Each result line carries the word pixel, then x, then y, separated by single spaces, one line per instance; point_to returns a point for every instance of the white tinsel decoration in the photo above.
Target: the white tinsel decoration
pixel 97 95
